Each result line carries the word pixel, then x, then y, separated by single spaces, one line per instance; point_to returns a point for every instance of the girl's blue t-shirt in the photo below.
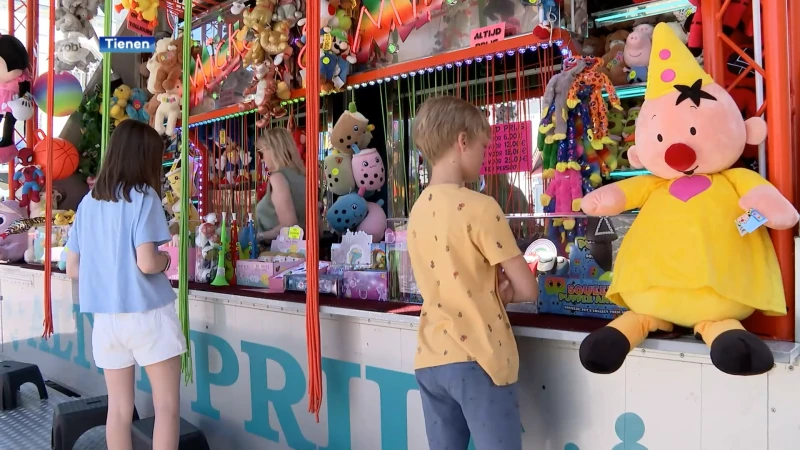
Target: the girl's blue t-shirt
pixel 105 236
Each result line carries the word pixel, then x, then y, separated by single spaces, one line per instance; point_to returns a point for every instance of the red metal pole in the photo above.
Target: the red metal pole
pixel 48 172
pixel 779 141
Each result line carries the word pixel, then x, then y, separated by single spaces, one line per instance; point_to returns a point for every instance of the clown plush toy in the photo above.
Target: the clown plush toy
pixel 685 261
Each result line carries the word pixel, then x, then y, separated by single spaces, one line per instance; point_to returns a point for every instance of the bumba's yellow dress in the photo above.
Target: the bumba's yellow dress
pixel 684 261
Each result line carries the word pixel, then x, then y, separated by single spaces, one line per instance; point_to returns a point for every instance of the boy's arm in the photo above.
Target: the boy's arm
pixel 493 237
pixel 759 194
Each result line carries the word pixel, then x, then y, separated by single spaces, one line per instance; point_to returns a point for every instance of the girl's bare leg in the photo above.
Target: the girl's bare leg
pixel 165 379
pixel 119 383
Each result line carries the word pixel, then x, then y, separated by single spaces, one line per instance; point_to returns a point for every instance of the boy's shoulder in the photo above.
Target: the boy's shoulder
pixel 438 194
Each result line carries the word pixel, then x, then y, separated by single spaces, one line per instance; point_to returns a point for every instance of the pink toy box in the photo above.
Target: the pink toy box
pixel 174 254
pixel 257 274
pixel 366 285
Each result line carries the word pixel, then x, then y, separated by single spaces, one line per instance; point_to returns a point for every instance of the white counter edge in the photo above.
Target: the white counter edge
pixel 783 352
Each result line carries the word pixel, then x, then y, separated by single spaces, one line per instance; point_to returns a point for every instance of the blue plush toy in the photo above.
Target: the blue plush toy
pixel 135 108
pixel 347 212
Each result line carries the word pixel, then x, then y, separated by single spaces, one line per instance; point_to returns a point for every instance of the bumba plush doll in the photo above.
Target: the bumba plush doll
pixel 15 99
pixel 693 257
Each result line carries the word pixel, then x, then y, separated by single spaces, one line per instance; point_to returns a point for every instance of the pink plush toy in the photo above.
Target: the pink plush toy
pixel 685 260
pixel 12 246
pixel 566 190
pixel 368 169
pixel 637 52
pixel 375 222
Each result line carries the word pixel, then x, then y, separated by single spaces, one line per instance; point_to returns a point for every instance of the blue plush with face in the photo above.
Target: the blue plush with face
pixel 347 212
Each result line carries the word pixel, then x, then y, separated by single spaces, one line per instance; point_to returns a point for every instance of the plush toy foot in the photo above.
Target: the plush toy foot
pixel 8 153
pixel 740 352
pixel 604 350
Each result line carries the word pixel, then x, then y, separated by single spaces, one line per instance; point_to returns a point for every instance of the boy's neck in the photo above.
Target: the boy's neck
pixel 446 172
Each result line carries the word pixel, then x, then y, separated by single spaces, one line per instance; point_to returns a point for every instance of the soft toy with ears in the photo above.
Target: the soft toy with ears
pixel 703 271
pixel 613 60
pixel 169 108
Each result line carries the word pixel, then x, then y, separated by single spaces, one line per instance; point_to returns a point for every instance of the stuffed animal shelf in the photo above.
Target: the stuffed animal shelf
pixel 692 257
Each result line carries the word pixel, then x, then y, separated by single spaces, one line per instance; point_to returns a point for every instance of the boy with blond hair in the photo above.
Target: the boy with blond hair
pixel 467 265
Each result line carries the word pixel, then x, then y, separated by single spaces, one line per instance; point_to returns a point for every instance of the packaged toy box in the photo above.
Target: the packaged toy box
pixel 366 284
pixel 579 290
pixel 35 252
pixel 402 285
pixel 174 254
pixel 257 272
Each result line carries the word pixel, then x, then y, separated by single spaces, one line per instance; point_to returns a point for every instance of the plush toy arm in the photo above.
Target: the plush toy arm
pixel 576 192
pixel 549 93
pixel 757 193
pixel 621 196
pixel 613 99
pixel 770 203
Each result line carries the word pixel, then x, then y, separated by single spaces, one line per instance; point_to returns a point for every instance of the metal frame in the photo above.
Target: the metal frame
pixel 778 107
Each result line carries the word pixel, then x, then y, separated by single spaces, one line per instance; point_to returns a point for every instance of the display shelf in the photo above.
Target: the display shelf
pixel 628 173
pixel 457 58
pixel 642 10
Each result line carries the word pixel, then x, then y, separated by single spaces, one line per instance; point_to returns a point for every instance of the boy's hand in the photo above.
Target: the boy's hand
pixel 504 289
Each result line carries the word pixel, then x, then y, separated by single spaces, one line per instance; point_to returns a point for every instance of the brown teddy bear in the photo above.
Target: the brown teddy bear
pixel 613 62
pixel 593 46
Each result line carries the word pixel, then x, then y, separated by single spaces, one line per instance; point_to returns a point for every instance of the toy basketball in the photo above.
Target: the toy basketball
pixel 67 94
pixel 65 157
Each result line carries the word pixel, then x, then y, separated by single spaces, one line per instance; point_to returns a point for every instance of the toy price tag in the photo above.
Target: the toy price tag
pixel 510 151
pixel 327 41
pixel 749 222
pixel 295 233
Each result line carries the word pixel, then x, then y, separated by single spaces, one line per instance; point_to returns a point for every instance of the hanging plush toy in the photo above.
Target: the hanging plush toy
pixel 351 128
pixel 16 102
pixel 368 169
pixel 29 178
pixel 710 262
pixel 347 212
pixel 339 173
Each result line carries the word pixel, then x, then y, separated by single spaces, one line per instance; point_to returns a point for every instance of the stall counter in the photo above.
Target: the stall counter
pixel 249 381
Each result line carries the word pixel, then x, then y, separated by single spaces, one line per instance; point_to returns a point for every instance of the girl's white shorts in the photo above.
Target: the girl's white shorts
pixel 146 338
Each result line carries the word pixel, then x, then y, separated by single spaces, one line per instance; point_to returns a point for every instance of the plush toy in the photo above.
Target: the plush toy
pixel 264 90
pixel 238 7
pixel 706 272
pixel 637 52
pixel 347 212
pixel 233 163
pixel 135 109
pixel 736 14
pixel 351 128
pixel 594 46
pixel 613 60
pixel 172 200
pixel 275 41
pixel 339 173
pixel 591 77
pixel 15 85
pixel 374 224
pixel 169 109
pixel 340 47
pixel 155 77
pixel 12 245
pixel 147 10
pixel 71 54
pixel 368 169
pixel 288 10
pixel 555 123
pixel 119 103
pixel 29 178
pixel 566 190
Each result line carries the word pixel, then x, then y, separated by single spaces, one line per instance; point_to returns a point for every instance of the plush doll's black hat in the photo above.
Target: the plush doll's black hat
pixel 13 53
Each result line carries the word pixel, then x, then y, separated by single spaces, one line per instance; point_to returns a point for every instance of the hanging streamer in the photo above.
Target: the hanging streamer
pixel 312 195
pixel 48 177
pixel 183 257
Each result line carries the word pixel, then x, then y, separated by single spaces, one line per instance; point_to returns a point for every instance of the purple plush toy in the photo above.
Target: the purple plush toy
pixel 12 246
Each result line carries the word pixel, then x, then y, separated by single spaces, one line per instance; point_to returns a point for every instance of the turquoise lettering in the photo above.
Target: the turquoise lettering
pixel 81 335
pixel 144 382
pixel 282 399
pixel 394 388
pixel 204 378
pixel 337 376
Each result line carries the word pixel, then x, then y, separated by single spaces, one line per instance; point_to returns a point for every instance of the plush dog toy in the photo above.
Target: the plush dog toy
pixel 684 260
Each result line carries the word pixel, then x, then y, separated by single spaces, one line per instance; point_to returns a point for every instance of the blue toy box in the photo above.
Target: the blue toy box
pixel 579 292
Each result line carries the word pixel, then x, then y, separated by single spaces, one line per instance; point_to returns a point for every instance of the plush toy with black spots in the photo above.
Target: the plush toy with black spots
pixel 16 102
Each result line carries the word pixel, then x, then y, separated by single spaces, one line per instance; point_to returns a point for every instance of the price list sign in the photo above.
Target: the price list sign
pixel 510 151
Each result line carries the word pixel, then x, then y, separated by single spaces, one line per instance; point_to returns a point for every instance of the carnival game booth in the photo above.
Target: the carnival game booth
pixel 255 380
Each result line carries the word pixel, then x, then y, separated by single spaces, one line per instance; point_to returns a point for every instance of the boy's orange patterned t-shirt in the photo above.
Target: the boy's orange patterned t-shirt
pixel 456 238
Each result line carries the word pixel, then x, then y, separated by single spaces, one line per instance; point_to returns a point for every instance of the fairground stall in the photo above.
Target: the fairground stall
pixel 310 342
